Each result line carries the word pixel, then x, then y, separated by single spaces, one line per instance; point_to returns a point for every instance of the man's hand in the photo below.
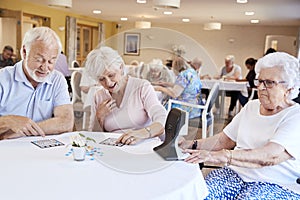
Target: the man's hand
pixel 19 126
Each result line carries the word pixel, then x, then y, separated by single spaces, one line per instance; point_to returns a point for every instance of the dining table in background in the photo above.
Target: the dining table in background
pixel 127 172
pixel 224 86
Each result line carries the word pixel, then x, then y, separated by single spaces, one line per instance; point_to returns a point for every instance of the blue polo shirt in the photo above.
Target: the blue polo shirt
pixel 19 97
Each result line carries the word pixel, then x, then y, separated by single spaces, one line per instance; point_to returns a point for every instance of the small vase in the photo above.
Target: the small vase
pixel 79 153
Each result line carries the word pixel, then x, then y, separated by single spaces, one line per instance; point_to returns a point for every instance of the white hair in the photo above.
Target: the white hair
pixel 197 61
pixel 156 64
pixel 289 65
pixel 230 58
pixel 135 63
pixel 100 59
pixel 45 34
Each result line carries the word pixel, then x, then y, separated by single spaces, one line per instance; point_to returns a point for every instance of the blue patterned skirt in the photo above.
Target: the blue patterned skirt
pixel 226 184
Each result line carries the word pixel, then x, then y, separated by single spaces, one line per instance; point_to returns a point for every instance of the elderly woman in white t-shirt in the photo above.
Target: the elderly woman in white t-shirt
pixel 127 105
pixel 260 147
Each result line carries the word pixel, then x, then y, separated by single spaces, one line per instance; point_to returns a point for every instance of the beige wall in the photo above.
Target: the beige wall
pixel 211 46
pixel 58 17
pixel 6 38
pixel 240 41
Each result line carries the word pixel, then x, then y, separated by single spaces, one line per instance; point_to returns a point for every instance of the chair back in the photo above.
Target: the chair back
pixel 213 94
pixel 75 82
pixel 253 92
pixel 75 64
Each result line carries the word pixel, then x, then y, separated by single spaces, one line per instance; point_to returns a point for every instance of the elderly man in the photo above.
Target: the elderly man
pixel 5 57
pixel 230 71
pixel 34 98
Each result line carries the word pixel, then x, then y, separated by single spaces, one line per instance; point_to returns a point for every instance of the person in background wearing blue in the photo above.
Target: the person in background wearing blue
pixel 34 98
pixel 187 87
pixel 6 57
pixel 260 146
pixel 250 64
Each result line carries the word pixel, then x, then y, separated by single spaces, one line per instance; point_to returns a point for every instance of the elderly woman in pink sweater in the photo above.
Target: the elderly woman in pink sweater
pixel 126 105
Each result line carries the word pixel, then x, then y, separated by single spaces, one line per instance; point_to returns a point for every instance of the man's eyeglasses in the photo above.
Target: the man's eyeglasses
pixel 267 83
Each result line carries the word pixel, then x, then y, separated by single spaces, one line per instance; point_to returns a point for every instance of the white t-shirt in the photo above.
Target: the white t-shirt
pixel 236 68
pixel 249 129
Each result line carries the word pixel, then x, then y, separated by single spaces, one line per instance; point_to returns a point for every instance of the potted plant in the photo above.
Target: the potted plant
pixel 79 147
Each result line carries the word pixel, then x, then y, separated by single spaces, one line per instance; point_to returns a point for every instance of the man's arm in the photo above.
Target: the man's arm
pixel 63 120
pixel 14 126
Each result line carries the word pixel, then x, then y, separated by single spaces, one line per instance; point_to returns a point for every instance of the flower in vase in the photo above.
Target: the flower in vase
pixel 78 141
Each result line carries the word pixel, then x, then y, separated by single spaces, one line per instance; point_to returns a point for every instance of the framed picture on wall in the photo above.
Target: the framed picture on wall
pixel 132 44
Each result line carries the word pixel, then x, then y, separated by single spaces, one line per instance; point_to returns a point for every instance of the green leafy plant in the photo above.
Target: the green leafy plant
pixel 87 138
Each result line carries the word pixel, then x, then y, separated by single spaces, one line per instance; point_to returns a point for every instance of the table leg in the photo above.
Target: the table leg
pixel 222 103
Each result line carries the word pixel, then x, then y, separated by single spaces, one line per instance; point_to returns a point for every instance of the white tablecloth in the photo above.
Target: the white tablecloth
pixel 128 172
pixel 225 86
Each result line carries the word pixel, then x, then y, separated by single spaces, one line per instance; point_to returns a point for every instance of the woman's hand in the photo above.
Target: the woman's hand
pixel 105 108
pixel 129 138
pixel 185 144
pixel 158 88
pixel 162 84
pixel 201 156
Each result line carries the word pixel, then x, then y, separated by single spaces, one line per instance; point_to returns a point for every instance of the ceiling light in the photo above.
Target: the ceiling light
pixel 249 13
pixel 167 3
pixel 168 12
pixel 142 24
pixel 60 3
pixel 124 18
pixel 242 1
pixel 254 21
pixel 186 20
pixel 97 11
pixel 212 26
pixel 141 1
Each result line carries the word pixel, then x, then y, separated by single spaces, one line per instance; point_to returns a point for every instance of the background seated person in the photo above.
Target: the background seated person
pixel 196 63
pixel 270 50
pixel 6 57
pixel 250 64
pixel 34 98
pixel 133 68
pixel 127 105
pixel 157 72
pixel 62 66
pixel 187 87
pixel 230 71
pixel 264 136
